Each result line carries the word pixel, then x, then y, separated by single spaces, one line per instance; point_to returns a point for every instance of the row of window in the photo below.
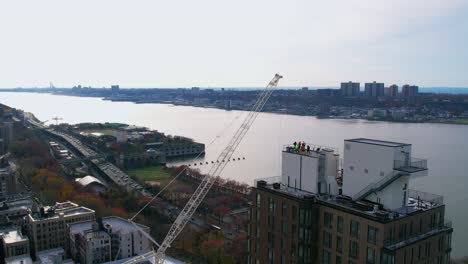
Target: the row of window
pixel 354 227
pixel 353 253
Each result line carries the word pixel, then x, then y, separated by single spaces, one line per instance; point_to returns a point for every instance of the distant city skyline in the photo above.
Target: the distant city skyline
pixel 211 43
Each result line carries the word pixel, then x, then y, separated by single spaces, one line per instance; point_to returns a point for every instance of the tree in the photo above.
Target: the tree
pixel 221 211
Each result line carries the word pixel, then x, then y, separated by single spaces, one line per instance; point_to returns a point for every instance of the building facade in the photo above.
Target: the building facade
pixel 374 89
pixel 393 90
pixel 108 238
pixel 47 229
pixel 409 90
pixel 375 219
pixel 350 89
pixel 12 243
pixel 89 243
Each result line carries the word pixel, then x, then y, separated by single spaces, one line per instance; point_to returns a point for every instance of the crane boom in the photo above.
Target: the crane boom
pixel 208 181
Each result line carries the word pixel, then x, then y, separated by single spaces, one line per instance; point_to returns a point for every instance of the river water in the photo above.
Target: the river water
pixel 444 146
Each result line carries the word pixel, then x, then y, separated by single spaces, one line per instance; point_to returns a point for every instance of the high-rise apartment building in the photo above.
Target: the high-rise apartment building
pixel 350 89
pixel 374 89
pixel 393 90
pixel 365 212
pixel 409 90
pixel 47 229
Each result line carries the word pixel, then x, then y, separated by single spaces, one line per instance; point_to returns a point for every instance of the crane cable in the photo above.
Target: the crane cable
pixel 180 173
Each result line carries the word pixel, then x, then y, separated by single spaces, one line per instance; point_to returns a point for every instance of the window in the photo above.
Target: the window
pixel 326 257
pixel 366 171
pixel 441 243
pixel 351 167
pixel 353 249
pixel 339 244
pixel 387 258
pixel 427 248
pixel 328 220
pixel 448 241
pixel 382 174
pixel 338 260
pixel 402 231
pixel 284 210
pixel 339 224
pixel 370 255
pixel 327 239
pixel 294 212
pixel 284 228
pixel 271 205
pixel 372 235
pixel 391 235
pixel 354 229
pixel 258 200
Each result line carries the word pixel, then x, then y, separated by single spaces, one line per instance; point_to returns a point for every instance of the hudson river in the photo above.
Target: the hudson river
pixel 444 146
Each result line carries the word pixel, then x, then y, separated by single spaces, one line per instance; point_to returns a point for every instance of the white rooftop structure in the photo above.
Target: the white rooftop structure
pixel 310 168
pixel 379 171
pixel 85 181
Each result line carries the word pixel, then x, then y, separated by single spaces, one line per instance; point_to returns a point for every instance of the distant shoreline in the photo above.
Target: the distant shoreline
pixel 449 122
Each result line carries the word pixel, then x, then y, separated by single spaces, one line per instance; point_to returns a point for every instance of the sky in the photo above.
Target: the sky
pixel 242 43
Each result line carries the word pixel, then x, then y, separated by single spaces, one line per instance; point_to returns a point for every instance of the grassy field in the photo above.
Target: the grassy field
pixel 462 121
pixel 108 132
pixel 151 173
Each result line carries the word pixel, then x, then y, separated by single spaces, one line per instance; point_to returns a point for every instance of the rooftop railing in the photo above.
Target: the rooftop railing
pixel 412 164
pixel 425 199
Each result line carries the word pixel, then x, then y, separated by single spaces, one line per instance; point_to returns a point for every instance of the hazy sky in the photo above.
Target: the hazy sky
pixel 149 43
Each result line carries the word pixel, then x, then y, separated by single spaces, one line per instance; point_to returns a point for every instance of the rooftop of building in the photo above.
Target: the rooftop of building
pixel 64 209
pixel 13 236
pixel 80 227
pixel 120 224
pixel 378 142
pixel 52 256
pixel 308 149
pixel 21 259
pixel 417 201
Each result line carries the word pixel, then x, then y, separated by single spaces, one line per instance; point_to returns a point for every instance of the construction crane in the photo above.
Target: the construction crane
pixel 56 119
pixel 208 181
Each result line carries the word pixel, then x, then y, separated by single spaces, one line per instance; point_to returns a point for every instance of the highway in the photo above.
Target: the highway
pixel 110 170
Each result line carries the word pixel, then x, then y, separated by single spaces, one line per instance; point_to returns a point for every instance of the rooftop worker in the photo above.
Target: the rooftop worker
pixel 308 149
pixel 296 146
pixel 303 146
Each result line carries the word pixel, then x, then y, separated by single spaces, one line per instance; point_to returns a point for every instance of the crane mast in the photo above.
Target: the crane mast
pixel 208 181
